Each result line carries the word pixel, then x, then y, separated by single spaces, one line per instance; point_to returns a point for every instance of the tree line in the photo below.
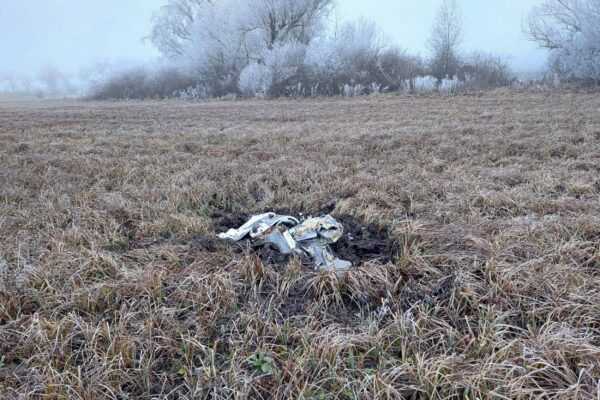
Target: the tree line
pixel 291 47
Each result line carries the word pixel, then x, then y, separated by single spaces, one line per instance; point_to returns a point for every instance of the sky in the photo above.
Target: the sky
pixel 73 34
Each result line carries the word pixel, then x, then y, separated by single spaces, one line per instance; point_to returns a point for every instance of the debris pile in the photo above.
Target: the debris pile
pixel 310 238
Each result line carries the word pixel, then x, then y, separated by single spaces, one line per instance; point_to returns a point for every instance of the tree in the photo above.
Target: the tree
pixel 271 21
pixel 570 30
pixel 216 39
pixel 172 25
pixel 288 20
pixel 446 40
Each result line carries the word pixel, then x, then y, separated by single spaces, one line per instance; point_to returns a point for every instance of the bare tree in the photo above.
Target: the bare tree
pixel 547 23
pixel 275 20
pixel 446 39
pixel 570 30
pixel 288 20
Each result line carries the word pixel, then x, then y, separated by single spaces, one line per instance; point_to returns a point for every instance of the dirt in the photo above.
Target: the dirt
pixel 225 221
pixel 362 243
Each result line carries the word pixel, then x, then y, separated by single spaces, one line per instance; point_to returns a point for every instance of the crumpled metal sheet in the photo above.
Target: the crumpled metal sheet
pixel 258 225
pixel 312 237
pixel 326 227
pixel 323 256
pixel 282 239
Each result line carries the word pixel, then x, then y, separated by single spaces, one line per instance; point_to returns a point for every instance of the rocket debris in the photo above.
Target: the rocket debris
pixel 326 227
pixel 257 225
pixel 311 238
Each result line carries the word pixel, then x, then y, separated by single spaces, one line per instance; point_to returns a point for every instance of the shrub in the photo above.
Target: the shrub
pixel 486 71
pixel 281 68
pixel 141 83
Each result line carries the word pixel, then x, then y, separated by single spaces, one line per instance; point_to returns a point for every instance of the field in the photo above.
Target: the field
pixel 484 281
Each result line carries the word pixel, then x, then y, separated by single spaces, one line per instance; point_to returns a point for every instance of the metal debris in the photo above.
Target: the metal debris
pixel 257 226
pixel 311 238
pixel 282 239
pixel 323 256
pixel 326 227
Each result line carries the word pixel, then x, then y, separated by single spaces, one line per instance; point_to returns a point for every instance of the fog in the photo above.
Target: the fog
pixel 72 34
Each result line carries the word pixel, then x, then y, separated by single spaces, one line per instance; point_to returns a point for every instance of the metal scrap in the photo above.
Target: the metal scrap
pixel 326 227
pixel 323 256
pixel 257 226
pixel 282 239
pixel 311 238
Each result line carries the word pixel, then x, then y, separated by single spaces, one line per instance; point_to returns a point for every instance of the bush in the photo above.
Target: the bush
pixel 424 84
pixel 356 58
pixel 140 83
pixel 397 69
pixel 486 71
pixel 253 79
pixel 282 67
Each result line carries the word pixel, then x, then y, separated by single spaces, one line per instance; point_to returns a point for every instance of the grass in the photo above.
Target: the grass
pixel 108 289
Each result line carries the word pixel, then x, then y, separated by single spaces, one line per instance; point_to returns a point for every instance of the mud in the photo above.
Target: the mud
pixel 223 221
pixel 362 243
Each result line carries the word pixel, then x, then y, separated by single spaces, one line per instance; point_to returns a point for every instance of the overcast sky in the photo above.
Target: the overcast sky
pixel 71 34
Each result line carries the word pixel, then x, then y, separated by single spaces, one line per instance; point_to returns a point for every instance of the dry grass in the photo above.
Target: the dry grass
pixel 106 290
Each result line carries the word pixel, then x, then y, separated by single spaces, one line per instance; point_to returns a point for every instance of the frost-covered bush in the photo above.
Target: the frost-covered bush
pixel 486 71
pixel 424 84
pixel 355 60
pixel 353 90
pixel 322 62
pixel 349 58
pixel 285 66
pixel 358 55
pixel 377 88
pixel 253 79
pixel 213 55
pixel 280 71
pixel 193 92
pixel 398 69
pixel 450 85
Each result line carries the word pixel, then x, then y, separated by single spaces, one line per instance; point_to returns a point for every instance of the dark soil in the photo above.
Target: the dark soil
pixel 362 243
pixel 225 221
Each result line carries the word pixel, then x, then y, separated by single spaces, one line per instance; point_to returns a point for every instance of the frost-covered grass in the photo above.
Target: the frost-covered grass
pixel 107 290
